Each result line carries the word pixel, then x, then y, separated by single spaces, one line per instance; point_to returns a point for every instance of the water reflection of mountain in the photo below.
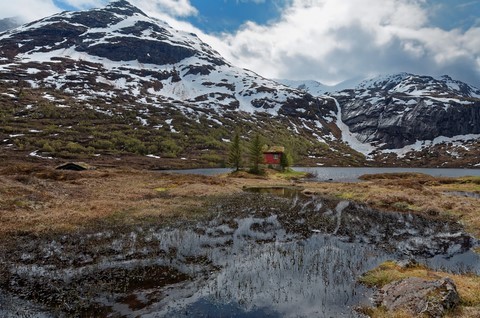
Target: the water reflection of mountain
pixel 271 268
pixel 260 256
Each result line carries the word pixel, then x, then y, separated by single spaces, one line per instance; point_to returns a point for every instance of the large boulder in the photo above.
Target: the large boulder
pixel 419 296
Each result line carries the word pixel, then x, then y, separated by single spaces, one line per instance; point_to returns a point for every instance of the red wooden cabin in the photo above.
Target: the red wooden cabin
pixel 273 155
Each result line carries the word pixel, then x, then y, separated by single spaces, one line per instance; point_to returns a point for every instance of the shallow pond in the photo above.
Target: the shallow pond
pixel 257 256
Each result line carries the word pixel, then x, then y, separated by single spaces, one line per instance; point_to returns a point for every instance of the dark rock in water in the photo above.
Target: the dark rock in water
pixel 419 296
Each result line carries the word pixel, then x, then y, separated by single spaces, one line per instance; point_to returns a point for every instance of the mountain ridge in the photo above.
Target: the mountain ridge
pixel 115 61
pixel 118 64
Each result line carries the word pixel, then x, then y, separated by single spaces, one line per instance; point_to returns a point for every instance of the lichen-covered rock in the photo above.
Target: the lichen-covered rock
pixel 419 296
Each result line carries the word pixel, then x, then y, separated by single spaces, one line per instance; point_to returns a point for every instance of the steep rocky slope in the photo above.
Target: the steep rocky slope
pixel 398 110
pixel 417 120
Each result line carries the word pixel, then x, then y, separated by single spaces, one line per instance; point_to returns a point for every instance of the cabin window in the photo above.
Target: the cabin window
pixel 275 157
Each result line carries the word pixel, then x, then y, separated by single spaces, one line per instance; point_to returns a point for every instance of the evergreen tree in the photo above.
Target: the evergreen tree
pixel 235 155
pixel 286 160
pixel 256 155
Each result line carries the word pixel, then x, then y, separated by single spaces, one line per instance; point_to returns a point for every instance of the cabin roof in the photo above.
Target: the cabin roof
pixel 75 166
pixel 275 149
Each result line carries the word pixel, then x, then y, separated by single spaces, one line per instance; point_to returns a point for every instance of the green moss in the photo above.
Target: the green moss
pixel 402 206
pixel 292 174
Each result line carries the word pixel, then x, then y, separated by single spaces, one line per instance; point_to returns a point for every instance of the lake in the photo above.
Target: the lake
pixel 349 174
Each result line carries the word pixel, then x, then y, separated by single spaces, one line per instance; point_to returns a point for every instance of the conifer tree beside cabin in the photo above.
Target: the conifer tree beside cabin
pixel 256 155
pixel 235 155
pixel 286 161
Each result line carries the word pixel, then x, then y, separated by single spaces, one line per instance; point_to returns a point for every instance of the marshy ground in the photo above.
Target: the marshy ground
pixel 91 241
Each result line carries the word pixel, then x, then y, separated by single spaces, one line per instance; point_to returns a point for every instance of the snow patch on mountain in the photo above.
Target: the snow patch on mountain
pixel 310 86
pixel 131 53
pixel 456 141
pixel 351 138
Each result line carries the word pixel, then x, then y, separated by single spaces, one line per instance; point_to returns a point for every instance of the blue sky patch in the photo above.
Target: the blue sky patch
pixel 217 16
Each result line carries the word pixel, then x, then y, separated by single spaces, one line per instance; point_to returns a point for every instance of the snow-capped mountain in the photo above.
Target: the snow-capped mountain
pixel 316 88
pixel 398 110
pixel 405 113
pixel 120 50
pixel 113 80
pixel 312 87
pixel 117 60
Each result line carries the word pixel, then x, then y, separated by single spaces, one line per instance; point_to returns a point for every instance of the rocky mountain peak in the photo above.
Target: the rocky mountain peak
pixel 123 7
pixel 118 50
pixel 417 85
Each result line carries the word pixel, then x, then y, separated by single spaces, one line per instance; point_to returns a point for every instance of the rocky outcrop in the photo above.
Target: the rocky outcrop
pixel 419 296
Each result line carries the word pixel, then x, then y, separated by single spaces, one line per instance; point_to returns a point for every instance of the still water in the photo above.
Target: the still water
pixel 259 255
pixel 352 174
pixel 337 174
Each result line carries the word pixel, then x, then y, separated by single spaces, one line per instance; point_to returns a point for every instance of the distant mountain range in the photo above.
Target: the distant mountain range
pixel 9 23
pixel 110 81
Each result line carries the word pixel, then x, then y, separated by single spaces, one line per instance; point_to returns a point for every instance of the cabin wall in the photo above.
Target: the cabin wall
pixel 272 158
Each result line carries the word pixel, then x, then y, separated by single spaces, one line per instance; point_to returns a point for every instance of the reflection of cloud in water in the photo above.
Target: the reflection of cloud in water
pixel 300 258
pixel 316 276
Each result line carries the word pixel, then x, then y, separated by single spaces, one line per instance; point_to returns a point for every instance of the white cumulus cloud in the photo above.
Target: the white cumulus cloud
pixel 333 40
pixel 35 9
pixel 326 40
pixel 28 10
pixel 176 8
pixel 85 4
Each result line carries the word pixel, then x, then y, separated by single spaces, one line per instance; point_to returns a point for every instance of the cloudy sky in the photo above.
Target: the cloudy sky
pixel 326 40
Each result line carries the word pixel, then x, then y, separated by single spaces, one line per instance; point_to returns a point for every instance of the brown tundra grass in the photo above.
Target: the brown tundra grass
pixel 36 199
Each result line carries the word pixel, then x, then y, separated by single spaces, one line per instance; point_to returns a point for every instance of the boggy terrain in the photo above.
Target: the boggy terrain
pixel 127 242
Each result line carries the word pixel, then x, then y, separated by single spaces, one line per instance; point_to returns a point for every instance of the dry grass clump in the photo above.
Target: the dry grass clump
pixel 24 172
pixel 245 175
pixel 468 286
pixel 396 176
pixel 390 271
pixel 40 199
